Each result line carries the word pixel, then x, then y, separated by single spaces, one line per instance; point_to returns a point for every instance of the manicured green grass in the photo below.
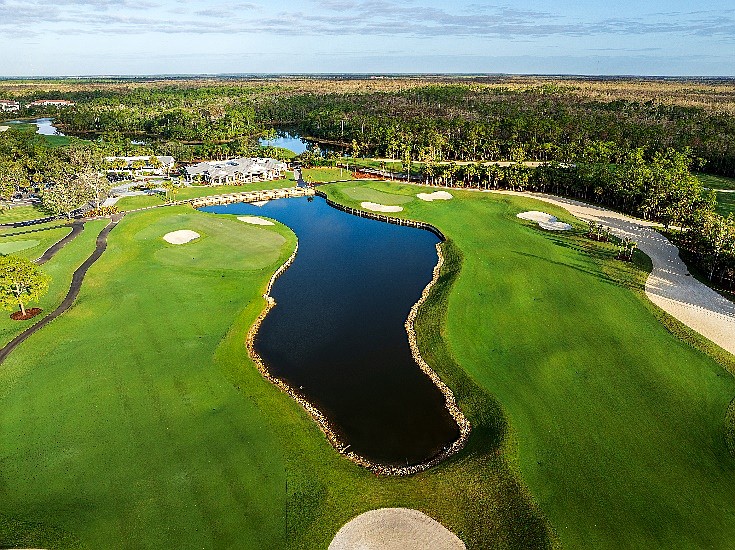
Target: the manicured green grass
pixel 150 425
pixel 324 174
pixel 725 203
pixel 619 426
pixel 138 417
pixel 139 201
pixel 60 268
pixel 21 214
pixel 716 182
pixel 362 193
pixel 20 242
pixel 725 200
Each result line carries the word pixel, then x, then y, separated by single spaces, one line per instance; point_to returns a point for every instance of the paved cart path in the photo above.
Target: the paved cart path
pixel 669 286
pixel 76 229
pixel 76 285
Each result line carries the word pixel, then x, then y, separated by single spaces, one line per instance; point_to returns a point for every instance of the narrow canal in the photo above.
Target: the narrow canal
pixel 337 333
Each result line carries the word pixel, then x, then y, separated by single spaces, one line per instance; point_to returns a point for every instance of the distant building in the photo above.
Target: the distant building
pixel 51 103
pixel 141 163
pixel 9 106
pixel 239 170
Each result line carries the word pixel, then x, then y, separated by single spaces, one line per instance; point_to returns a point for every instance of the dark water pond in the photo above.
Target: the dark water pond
pixel 338 333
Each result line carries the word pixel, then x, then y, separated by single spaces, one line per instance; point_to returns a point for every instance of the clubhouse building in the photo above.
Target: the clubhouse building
pixel 238 170
pixel 9 106
pixel 51 103
pixel 144 164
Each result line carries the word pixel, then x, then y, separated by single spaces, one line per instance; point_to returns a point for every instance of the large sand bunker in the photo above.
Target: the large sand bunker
pixel 182 236
pixel 435 196
pixel 395 529
pixel 380 207
pixel 255 220
pixel 544 220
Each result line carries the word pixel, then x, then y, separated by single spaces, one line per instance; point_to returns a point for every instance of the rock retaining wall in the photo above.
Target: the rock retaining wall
pixel 318 416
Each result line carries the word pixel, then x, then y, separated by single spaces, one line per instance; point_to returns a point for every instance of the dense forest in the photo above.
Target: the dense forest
pixel 470 122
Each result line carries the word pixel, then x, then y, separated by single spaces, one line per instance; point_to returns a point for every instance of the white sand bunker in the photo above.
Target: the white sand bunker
pixel 435 196
pixel 536 216
pixel 260 203
pixel 544 220
pixel 555 226
pixel 380 207
pixel 4 128
pixel 395 529
pixel 182 236
pixel 255 220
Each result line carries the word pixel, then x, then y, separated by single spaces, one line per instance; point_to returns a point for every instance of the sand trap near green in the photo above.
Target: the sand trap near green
pixel 435 196
pixel 368 194
pixel 380 207
pixel 16 246
pixel 182 236
pixel 544 220
pixel 395 529
pixel 255 220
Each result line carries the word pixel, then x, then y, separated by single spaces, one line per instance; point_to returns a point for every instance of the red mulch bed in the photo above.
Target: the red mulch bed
pixel 30 313
pixel 364 175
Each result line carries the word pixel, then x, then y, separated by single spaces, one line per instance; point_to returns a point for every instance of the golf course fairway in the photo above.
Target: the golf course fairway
pixel 137 420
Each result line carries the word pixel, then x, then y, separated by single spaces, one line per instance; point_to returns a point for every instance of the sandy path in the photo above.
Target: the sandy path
pixel 395 529
pixel 669 286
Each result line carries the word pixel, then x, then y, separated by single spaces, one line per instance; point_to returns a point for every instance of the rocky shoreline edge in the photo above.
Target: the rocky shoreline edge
pixel 322 421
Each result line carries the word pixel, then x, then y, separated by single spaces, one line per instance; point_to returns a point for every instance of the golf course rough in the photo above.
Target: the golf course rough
pixel 616 421
pixel 151 425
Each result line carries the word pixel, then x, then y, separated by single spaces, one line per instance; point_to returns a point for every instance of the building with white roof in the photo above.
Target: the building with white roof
pixel 141 163
pixel 238 170
pixel 8 105
pixel 51 103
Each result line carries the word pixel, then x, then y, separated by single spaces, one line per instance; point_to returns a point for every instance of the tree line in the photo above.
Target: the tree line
pixel 465 123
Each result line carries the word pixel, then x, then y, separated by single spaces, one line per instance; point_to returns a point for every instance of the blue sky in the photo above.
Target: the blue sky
pixel 87 37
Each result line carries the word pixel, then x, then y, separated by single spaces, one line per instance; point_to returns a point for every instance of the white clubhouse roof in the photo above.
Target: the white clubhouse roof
pixel 229 168
pixel 165 160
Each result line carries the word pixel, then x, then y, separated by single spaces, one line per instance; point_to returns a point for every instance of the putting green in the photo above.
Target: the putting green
pixel 368 194
pixel 224 243
pixel 16 246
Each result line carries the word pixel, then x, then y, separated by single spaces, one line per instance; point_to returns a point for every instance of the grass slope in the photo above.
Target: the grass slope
pixel 32 242
pixel 721 184
pixel 21 214
pixel 620 426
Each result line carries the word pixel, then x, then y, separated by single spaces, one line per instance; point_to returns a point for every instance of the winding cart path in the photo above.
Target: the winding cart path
pixel 76 229
pixel 670 285
pixel 75 287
